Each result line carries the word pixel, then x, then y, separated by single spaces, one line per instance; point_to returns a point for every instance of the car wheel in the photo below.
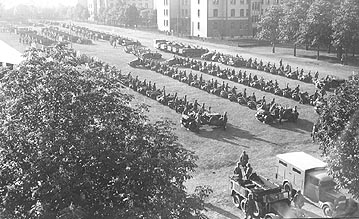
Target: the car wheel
pixel 327 210
pixel 237 200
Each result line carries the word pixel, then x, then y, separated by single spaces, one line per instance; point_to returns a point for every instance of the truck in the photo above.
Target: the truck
pixel 271 200
pixel 301 171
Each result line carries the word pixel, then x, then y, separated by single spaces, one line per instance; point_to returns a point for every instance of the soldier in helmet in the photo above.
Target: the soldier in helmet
pixel 243 159
pixel 248 170
pixel 250 207
pixel 298 200
pixel 238 172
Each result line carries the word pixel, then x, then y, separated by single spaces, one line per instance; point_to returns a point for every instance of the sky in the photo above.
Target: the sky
pixel 40 3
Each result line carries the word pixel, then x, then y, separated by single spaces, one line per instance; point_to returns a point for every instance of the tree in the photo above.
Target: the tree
pixel 295 13
pixel 72 143
pixel 338 135
pixel 346 26
pixel 132 15
pixel 148 16
pixel 317 29
pixel 269 25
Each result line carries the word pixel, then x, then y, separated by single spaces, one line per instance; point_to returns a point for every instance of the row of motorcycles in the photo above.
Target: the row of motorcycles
pixel 223 90
pixel 193 115
pixel 245 79
pixel 239 61
pixel 327 83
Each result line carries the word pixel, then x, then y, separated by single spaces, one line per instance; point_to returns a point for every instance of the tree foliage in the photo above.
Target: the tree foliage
pixel 132 15
pixel 338 135
pixel 317 28
pixel 79 12
pixel 72 143
pixel 269 24
pixel 294 14
pixel 346 25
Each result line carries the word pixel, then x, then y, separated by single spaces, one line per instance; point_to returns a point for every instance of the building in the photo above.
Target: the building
pixel 83 3
pixel 174 16
pixel 95 7
pixel 258 8
pixel 219 18
pixel 141 4
pixel 92 8
pixel 227 18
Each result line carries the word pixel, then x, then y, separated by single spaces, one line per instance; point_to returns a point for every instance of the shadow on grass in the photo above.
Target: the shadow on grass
pixel 220 211
pixel 230 135
pixel 301 126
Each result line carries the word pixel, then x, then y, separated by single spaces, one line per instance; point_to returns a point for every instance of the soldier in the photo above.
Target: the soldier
pixel 281 114
pixel 238 172
pixel 243 159
pixel 248 171
pixel 276 83
pixel 245 93
pixel 298 200
pixel 250 207
pixel 322 92
pixel 272 102
pixel 253 97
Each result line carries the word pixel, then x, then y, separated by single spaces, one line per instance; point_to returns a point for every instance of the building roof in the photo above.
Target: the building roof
pixel 301 160
pixel 8 54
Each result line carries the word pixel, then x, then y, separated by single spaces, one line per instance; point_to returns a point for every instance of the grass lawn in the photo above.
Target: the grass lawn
pixel 219 150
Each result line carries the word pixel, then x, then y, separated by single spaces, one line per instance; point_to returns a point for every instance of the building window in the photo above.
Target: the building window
pixel 262 11
pixel 242 2
pixel 247 12
pixel 146 5
pixel 164 12
pixel 215 2
pixel 215 12
pixel 198 26
pixel 233 2
pixel 233 12
pixel 164 22
pixel 241 12
pixel 186 12
pixel 199 2
pixel 199 13
pixel 167 23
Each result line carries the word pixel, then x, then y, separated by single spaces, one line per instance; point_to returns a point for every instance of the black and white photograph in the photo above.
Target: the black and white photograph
pixel 179 109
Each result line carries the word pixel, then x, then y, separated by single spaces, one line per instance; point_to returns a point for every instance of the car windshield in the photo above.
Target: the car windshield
pixel 327 184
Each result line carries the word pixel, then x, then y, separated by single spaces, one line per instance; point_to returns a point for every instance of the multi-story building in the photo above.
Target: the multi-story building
pixel 258 8
pixel 174 15
pixel 227 18
pixel 84 3
pixel 141 3
pixel 218 18
pixel 92 8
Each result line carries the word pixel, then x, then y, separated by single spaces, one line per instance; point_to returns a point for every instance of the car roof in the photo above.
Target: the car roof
pixel 302 160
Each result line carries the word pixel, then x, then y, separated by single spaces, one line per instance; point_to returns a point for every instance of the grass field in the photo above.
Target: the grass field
pixel 219 150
